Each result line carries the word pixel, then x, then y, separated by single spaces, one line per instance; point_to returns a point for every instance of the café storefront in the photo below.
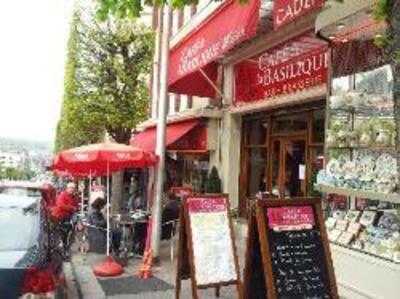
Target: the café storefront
pixel 189 144
pixel 279 97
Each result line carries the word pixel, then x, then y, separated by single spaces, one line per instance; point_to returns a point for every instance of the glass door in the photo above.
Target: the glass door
pixel 288 167
pixel 294 166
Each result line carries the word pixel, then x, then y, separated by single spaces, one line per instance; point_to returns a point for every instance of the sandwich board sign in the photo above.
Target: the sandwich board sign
pixel 288 253
pixel 206 251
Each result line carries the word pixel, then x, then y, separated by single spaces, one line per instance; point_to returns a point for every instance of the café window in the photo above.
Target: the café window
pixel 257 170
pixel 256 153
pixel 290 123
pixel 256 132
pixel 318 127
pixel 195 171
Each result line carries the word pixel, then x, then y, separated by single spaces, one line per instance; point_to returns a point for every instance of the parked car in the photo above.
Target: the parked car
pixel 30 262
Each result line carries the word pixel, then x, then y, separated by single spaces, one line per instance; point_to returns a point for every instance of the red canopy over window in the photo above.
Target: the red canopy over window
pixel 180 136
pixel 193 61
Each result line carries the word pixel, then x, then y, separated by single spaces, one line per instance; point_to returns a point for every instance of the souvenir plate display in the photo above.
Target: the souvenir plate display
pixel 342 225
pixel 361 135
pixel 363 163
pixel 353 215
pixel 334 234
pixel 330 223
pixel 354 228
pixel 376 233
pixel 368 218
pixel 365 171
pixel 345 238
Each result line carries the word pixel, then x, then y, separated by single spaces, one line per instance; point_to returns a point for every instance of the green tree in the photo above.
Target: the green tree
pixel 132 8
pixel 14 174
pixel 106 84
pixel 115 61
pixel 105 88
pixel 75 126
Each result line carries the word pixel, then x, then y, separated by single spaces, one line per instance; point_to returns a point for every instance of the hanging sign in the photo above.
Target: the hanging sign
pixel 270 80
pixel 288 253
pixel 286 11
pixel 272 74
pixel 207 253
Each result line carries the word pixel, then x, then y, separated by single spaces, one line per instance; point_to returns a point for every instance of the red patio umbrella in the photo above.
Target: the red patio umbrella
pixel 102 159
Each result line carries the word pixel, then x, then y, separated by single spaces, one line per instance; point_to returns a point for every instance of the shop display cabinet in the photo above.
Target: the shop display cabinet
pixel 360 183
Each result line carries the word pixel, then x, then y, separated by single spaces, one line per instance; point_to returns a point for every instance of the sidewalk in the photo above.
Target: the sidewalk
pixel 90 288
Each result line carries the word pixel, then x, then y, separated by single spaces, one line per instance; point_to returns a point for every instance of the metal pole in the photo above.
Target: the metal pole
pixel 108 208
pixel 156 65
pixel 90 192
pixel 161 127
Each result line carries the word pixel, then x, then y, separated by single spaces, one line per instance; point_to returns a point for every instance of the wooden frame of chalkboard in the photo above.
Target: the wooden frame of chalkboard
pixel 267 262
pixel 186 265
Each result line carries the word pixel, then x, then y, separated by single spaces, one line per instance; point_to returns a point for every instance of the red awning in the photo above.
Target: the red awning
pixel 193 61
pixel 185 135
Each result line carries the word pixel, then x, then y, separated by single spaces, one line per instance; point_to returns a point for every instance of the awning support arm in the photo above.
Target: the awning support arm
pixel 215 87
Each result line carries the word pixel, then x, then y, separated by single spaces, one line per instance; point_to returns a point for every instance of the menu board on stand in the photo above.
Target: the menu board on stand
pixel 206 250
pixel 288 253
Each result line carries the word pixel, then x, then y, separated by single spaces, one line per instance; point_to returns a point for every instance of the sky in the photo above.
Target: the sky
pixel 33 38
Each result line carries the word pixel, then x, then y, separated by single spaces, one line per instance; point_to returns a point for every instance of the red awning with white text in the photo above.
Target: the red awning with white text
pixel 193 66
pixel 190 135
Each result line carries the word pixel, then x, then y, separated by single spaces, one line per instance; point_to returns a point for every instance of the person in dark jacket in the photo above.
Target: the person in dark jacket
pixel 170 213
pixel 98 231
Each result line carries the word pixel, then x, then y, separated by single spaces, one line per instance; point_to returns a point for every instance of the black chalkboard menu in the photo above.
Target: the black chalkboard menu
pixel 295 254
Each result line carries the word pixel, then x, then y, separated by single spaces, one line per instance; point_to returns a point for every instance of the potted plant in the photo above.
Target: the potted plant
pixel 213 183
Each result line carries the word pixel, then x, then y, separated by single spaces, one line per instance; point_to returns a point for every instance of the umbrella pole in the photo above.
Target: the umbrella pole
pixel 90 192
pixel 108 208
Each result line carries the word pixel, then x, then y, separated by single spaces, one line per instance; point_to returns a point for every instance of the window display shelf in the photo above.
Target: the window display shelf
pixel 364 111
pixel 372 148
pixel 360 275
pixel 393 197
pixel 369 257
pixel 366 257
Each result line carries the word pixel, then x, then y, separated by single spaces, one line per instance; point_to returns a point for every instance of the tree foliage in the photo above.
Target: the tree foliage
pixel 76 126
pixel 106 78
pixel 15 174
pixel 132 8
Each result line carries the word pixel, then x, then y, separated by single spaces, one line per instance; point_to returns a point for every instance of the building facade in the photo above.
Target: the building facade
pixel 253 91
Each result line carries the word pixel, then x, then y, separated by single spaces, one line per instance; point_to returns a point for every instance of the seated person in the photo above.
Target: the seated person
pixel 97 232
pixel 135 202
pixel 169 214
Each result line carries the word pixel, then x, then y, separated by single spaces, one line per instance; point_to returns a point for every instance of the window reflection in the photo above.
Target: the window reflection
pixel 340 85
pixel 378 81
pixel 257 171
